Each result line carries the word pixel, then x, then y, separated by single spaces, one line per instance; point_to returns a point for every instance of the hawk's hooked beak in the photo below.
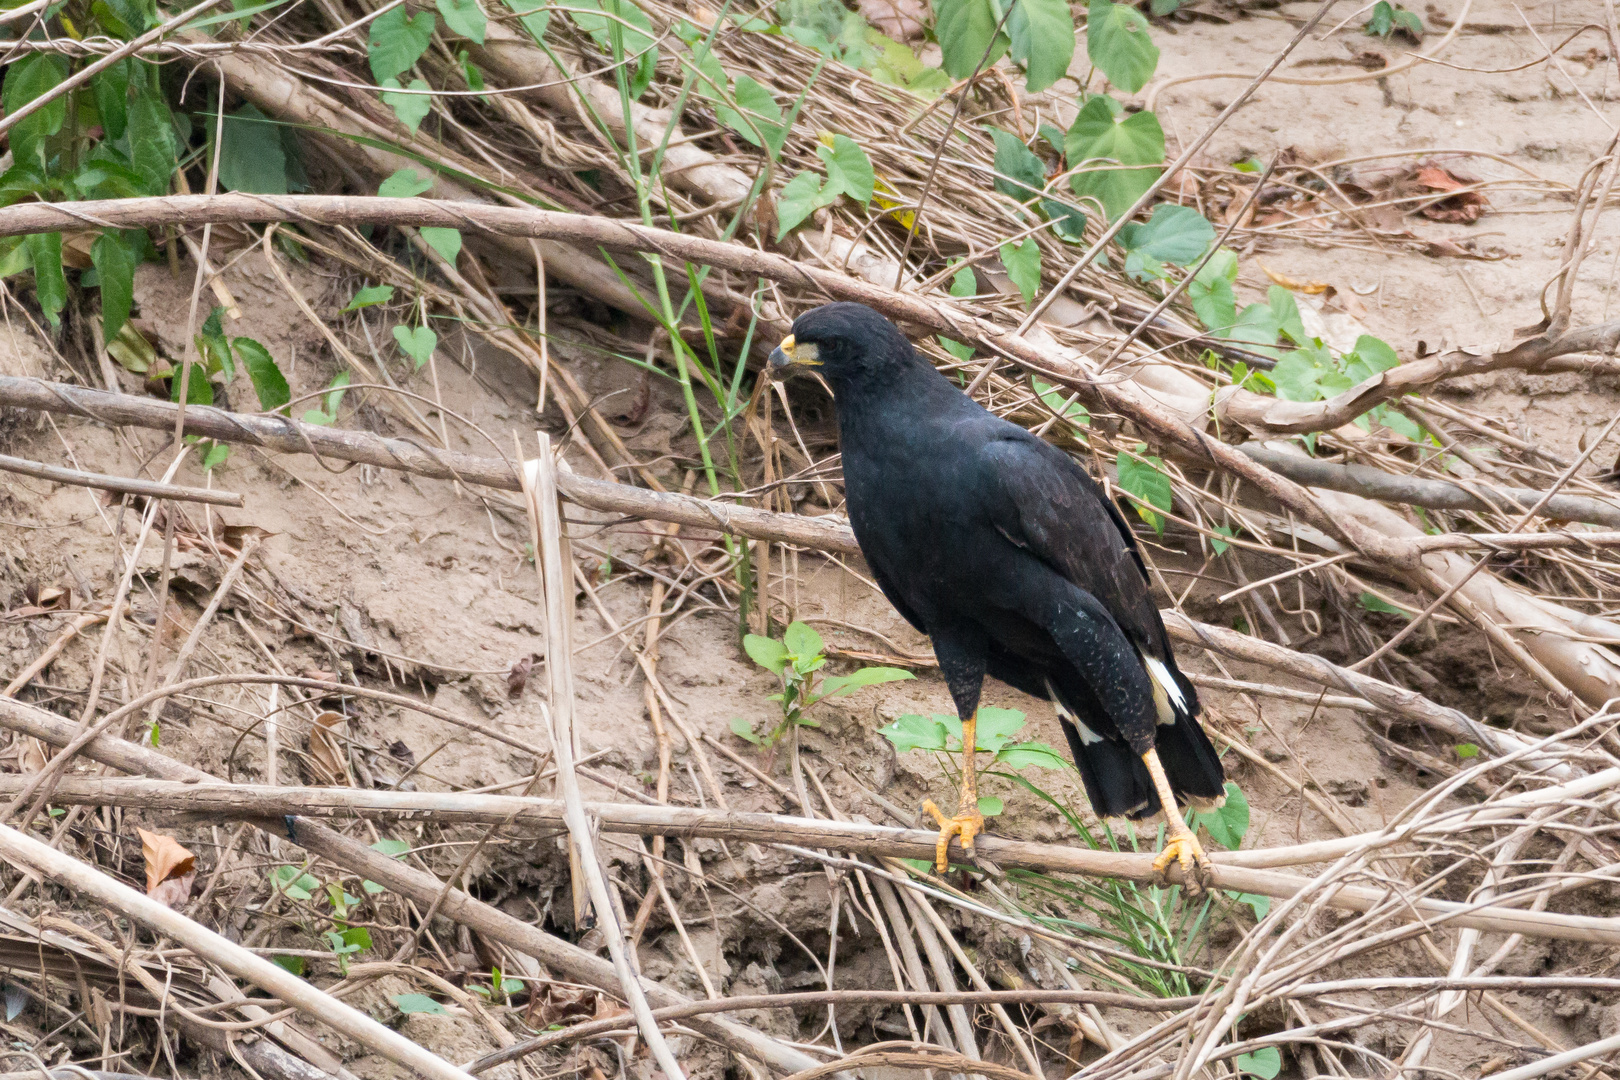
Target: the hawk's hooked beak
pixel 790 355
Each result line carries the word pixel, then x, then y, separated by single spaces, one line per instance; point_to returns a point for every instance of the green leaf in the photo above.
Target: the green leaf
pixel 1030 754
pixel 394 849
pixel 990 806
pixel 417 343
pixel 759 113
pixel 871 676
pixel 769 654
pixel 33 76
pixel 292 881
pixel 1101 136
pixel 404 184
pixel 251 157
pixel 1023 263
pixel 152 145
pixel 802 641
pixel 464 17
pixel 1144 477
pixel 447 242
pixel 995 727
pixel 292 964
pixel 1213 299
pixel 1020 173
pixel 965 29
pixel 50 286
pixel 745 731
pixel 1409 22
pixel 110 88
pixel 535 15
pixel 1174 234
pixel 410 109
pixel 214 457
pixel 1227 825
pixel 199 391
pixel 1042 39
pixel 1370 357
pixel 801 197
pixel 1265 1062
pixel 849 171
pixel 370 295
pixel 418 1003
pixel 1467 750
pixel 1220 546
pixel 398 41
pixel 268 382
pixel 1382 20
pixel 115 267
pixel 371 888
pixel 1117 42
pixel 1260 905
pixel 1383 607
pixel 912 732
pixel 1286 310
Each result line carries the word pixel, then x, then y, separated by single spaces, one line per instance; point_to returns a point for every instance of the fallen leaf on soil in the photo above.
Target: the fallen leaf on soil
pixel 325 752
pixel 170 869
pixel 560 1004
pixel 1463 208
pixel 518 677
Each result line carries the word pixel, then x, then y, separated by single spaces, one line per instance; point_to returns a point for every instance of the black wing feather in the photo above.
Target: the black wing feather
pixel 1051 507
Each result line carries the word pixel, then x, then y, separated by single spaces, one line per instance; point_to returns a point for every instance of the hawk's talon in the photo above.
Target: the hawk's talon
pixel 1185 851
pixel 968 824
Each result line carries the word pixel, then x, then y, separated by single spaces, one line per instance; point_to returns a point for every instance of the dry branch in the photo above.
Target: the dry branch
pixel 569 961
pixel 1269 415
pixel 1233 870
pixel 823 533
pixel 85 880
pixel 124 485
pixel 1371 483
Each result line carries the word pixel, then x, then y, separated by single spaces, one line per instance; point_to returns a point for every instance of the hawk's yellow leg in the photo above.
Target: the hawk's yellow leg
pixel 968 822
pixel 1180 845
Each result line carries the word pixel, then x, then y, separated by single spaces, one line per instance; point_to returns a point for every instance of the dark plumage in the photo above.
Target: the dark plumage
pixel 1011 558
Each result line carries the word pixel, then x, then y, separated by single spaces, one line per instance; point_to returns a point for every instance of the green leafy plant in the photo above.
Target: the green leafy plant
pixel 1124 153
pixel 849 172
pixel 993 733
pixel 1173 235
pixel 797 660
pixel 327 414
pixel 418 1003
pixel 1117 42
pixel 1387 18
pixel 1265 1063
pixel 1143 477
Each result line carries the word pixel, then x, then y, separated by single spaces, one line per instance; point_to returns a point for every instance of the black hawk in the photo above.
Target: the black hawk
pixel 1006 553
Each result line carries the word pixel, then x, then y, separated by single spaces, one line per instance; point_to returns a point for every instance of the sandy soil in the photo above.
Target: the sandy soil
pixel 413 583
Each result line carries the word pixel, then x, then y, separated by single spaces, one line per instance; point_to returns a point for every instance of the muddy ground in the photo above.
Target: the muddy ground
pixel 416 584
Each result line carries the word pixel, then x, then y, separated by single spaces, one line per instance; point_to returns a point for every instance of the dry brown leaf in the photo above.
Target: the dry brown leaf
pixel 31 755
pixel 170 869
pixel 1464 208
pixel 518 677
pixel 325 751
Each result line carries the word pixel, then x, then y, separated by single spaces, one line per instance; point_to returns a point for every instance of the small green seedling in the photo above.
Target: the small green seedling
pixel 1387 19
pixel 797 660
pixel 327 414
pixel 942 734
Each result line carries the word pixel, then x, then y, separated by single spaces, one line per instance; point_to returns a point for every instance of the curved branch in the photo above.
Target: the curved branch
pixel 1271 416
pixel 1156 422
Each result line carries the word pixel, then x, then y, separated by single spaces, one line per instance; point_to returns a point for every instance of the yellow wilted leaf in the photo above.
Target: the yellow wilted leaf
pixel 880 195
pixel 1311 288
